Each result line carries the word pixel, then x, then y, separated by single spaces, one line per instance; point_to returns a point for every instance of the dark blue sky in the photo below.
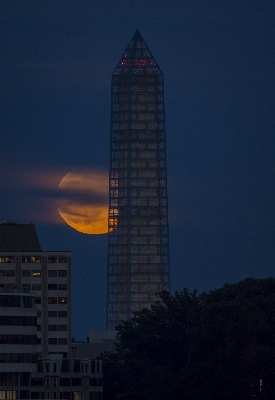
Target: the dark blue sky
pixel 218 60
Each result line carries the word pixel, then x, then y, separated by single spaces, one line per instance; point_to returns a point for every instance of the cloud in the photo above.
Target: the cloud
pixel 33 195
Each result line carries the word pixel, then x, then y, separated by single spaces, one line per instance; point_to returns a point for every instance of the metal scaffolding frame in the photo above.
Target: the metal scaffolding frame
pixel 138 240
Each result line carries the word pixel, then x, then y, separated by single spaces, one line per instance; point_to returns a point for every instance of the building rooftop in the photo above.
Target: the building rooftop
pixel 18 237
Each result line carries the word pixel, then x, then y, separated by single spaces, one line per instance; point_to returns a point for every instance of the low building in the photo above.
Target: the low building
pixel 97 343
pixel 71 379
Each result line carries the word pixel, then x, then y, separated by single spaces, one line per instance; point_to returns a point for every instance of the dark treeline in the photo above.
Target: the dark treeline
pixel 212 346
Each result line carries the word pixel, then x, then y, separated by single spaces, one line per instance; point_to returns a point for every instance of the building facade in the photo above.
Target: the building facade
pixel 35 323
pixel 18 338
pixel 138 240
pixel 22 375
pixel 47 276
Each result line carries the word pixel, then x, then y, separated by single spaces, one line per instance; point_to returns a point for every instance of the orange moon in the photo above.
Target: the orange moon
pixel 83 201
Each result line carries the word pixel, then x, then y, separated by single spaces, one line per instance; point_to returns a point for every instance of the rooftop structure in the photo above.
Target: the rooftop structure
pixel 18 237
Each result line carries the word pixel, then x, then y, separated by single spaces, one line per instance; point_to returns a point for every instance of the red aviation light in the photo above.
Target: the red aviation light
pixel 140 63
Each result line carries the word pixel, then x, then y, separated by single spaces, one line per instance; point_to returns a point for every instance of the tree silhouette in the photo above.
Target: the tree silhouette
pixel 213 346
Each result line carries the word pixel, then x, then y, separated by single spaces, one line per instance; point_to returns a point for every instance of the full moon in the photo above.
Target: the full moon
pixel 83 201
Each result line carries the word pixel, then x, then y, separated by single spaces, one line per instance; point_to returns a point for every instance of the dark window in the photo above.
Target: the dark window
pixel 52 300
pixel 24 379
pixel 65 395
pixel 8 379
pixel 65 382
pixel 18 339
pixel 24 394
pixel 18 358
pixel 52 286
pixel 10 285
pixel 26 272
pixel 36 286
pixel 96 382
pixel 52 259
pixel 65 366
pixel 62 327
pixel 62 259
pixel 10 272
pixel 62 286
pixel 76 381
pixel 62 272
pixel 27 285
pixel 52 314
pixel 76 366
pixel 52 340
pixel 52 273
pixel 62 314
pixel 37 395
pixel 39 366
pixel 37 382
pixel 62 341
pixel 9 301
pixel 52 328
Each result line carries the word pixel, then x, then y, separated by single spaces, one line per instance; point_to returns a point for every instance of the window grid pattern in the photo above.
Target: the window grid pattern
pixel 138 244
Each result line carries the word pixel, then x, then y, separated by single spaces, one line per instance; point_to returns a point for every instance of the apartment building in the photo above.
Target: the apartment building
pixel 35 323
pixel 47 274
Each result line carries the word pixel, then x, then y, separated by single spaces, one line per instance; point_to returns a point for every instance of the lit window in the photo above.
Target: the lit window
pixel 36 259
pixel 36 273
pixel 26 260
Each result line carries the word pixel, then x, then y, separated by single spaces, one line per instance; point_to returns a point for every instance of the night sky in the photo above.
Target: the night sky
pixel 218 61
